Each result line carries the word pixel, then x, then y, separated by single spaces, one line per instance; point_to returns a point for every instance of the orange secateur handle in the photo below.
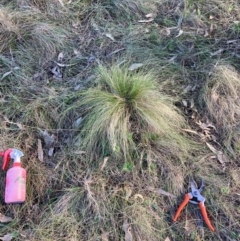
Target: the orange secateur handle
pixel 205 216
pixel 181 207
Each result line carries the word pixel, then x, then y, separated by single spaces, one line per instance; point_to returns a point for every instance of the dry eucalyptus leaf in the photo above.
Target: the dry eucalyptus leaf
pixel 105 236
pixel 60 57
pixel 109 36
pixel 179 34
pixel 40 151
pixel 50 151
pixel 5 219
pixel 146 20
pixel 135 66
pixel 128 191
pixel 212 148
pixel 192 103
pixel 104 163
pixel 77 122
pixel 127 230
pixel 56 73
pixel 221 157
pixel 138 196
pixel 172 59
pixel 6 118
pixel 61 2
pixel 150 15
pixel 189 227
pixel 191 131
pixel 185 103
pixel 20 126
pixel 161 191
pixel 205 126
pixel 48 139
pixel 7 237
pixel 167 239
pixel 217 52
pixel 6 74
pixel 165 31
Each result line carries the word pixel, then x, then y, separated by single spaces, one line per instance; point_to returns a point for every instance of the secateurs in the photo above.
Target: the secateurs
pixel 195 197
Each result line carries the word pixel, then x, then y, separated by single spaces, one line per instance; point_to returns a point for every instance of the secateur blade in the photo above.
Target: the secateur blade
pixel 194 185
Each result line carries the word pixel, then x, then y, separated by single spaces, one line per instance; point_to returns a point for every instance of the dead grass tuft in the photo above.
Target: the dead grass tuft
pixel 221 95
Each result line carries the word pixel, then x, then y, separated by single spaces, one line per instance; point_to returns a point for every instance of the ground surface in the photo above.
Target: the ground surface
pixel 51 51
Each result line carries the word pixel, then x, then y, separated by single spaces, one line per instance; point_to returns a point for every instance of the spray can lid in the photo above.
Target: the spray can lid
pixel 15 154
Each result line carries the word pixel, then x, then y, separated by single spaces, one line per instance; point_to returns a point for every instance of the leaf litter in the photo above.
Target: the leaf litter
pixel 219 154
pixel 5 219
pixel 7 237
pixel 109 35
pixel 135 66
pixel 128 230
pixel 160 191
pixel 40 151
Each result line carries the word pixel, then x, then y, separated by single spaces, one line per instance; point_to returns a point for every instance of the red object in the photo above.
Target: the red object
pixel 15 190
pixel 181 207
pixel 195 197
pixel 205 216
pixel 6 158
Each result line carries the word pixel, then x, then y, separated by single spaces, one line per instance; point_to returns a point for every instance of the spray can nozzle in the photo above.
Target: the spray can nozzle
pixel 8 154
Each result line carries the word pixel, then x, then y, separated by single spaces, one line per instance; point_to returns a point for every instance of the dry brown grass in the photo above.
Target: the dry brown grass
pixel 221 95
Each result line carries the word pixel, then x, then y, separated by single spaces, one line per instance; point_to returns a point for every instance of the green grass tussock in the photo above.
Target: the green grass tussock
pixel 127 110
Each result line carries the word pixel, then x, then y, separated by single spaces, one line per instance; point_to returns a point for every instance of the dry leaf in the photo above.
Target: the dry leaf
pixel 104 163
pixel 220 155
pixel 5 219
pixel 212 148
pixel 165 31
pixel 231 41
pixel 191 104
pixel 205 126
pixel 20 126
pixel 179 34
pixel 167 239
pixel 172 59
pixel 56 73
pixel 217 52
pixel 105 236
pixel 185 103
pixel 7 237
pixel 109 36
pixel 80 152
pixel 40 151
pixel 191 131
pixel 50 151
pixel 161 191
pixel 128 191
pixel 189 227
pixel 146 20
pixel 60 57
pixel 136 196
pixel 77 122
pixel 127 230
pixel 48 139
pixel 150 15
pixel 135 66
pixel 61 2
pixel 6 74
